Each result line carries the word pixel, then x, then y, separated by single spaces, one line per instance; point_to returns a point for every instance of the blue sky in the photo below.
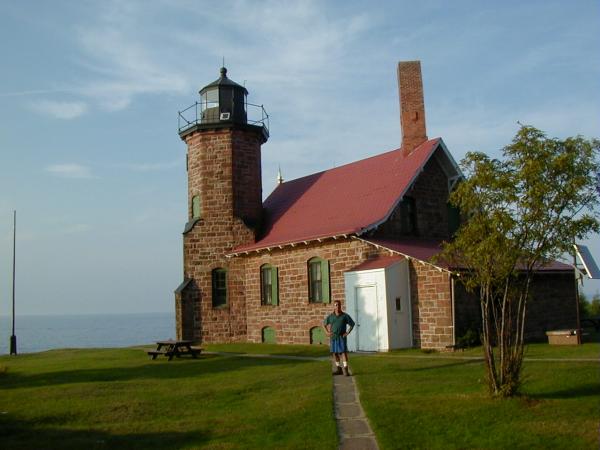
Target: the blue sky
pixel 90 90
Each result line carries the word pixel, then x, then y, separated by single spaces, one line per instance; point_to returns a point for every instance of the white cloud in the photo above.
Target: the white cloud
pixel 60 109
pixel 124 59
pixel 69 170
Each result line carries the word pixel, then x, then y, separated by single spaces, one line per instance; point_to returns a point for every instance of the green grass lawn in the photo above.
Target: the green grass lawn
pixel 431 403
pixel 313 351
pixel 120 399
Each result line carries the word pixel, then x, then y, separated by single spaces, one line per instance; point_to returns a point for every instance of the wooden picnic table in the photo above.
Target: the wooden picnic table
pixel 171 348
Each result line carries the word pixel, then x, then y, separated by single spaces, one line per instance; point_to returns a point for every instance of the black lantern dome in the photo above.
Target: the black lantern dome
pixel 223 100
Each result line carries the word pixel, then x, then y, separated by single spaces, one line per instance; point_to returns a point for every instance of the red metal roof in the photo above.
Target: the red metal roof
pixel 379 262
pixel 420 249
pixel 340 201
pixel 425 250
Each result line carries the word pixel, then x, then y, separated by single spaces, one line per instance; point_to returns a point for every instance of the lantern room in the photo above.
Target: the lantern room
pixel 223 101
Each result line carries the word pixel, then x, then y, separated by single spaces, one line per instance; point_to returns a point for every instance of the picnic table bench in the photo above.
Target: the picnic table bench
pixel 171 348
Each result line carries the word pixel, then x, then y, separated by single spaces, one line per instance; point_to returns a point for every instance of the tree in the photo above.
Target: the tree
pixel 594 306
pixel 521 213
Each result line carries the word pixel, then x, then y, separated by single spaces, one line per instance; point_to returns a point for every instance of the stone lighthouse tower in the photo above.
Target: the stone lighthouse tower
pixel 223 134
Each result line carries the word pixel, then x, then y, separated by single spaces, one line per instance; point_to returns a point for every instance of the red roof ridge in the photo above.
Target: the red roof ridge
pixel 341 201
pixel 358 161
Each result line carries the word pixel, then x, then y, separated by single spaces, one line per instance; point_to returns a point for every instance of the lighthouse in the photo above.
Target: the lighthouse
pixel 223 134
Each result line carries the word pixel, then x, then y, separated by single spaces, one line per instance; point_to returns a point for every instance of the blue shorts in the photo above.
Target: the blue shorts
pixel 338 344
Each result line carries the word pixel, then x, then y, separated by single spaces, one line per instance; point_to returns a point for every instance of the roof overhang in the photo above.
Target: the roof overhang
pixel 448 165
pixel 405 254
pixel 280 246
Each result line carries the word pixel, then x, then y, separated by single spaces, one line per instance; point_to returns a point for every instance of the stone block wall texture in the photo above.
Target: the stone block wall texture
pixel 430 192
pixel 551 306
pixel 295 315
pixel 218 160
pixel 430 291
pixel 412 105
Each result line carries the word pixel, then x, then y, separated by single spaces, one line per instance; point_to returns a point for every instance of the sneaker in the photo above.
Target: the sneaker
pixel 337 371
pixel 346 372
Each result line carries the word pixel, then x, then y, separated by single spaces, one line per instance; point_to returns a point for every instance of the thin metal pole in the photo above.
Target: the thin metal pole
pixel 13 338
pixel 577 296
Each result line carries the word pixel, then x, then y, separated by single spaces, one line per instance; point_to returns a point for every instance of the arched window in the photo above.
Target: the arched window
pixel 196 207
pixel 317 335
pixel 269 335
pixel 219 287
pixel 269 285
pixel 318 280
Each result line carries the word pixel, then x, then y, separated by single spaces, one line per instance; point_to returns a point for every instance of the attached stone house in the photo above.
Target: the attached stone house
pixel 363 233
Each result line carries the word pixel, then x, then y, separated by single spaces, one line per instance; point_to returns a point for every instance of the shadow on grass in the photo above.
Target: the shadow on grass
pixel 585 390
pixel 22 435
pixel 152 370
pixel 445 365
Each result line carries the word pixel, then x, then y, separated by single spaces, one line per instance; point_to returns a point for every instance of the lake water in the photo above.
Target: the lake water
pixel 38 333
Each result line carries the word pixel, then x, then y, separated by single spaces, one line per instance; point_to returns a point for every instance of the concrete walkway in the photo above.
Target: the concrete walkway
pixel 354 431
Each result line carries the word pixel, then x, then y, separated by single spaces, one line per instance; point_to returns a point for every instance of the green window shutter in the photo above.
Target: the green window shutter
pixel 315 280
pixel 274 286
pixel 269 285
pixel 269 336
pixel 317 335
pixel 196 206
pixel 325 281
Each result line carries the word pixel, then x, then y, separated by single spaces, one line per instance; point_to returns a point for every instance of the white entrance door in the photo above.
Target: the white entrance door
pixel 366 318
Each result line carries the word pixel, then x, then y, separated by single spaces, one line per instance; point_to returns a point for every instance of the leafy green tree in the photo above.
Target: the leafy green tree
pixel 521 213
pixel 594 306
pixel 584 305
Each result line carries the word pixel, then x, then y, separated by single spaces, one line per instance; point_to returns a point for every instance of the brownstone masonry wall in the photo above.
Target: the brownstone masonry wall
pixel 431 306
pixel 215 159
pixel 551 306
pixel 295 315
pixel 247 182
pixel 430 192
pixel 412 105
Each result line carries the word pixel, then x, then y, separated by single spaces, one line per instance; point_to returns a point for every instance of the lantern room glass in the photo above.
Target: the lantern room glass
pixel 209 100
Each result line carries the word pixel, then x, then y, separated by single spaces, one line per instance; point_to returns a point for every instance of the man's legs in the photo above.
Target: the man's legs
pixel 345 363
pixel 336 361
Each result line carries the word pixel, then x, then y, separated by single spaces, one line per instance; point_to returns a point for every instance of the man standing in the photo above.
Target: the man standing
pixel 336 328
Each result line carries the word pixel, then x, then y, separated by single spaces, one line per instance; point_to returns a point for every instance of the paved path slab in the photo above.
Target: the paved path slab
pixel 354 430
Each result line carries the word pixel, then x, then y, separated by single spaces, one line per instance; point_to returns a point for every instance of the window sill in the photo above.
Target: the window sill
pixel 220 307
pixel 190 225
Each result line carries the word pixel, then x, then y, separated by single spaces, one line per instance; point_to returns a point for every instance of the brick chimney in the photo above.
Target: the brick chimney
pixel 412 106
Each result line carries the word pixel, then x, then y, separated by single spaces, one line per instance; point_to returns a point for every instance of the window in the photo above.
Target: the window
pixel 318 280
pixel 269 336
pixel 219 287
pixel 408 216
pixel 195 207
pixel 269 286
pixel 210 99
